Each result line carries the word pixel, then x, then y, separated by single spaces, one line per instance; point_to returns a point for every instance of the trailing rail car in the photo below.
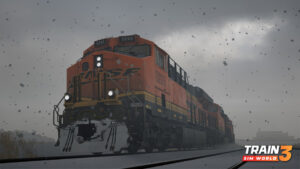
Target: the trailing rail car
pixel 126 93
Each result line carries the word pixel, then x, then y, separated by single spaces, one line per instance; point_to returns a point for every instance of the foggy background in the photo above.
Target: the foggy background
pixel 245 54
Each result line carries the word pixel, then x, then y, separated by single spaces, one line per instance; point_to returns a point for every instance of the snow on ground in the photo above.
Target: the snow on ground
pixel 117 161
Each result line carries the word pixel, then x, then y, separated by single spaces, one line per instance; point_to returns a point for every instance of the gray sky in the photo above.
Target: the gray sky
pixel 259 40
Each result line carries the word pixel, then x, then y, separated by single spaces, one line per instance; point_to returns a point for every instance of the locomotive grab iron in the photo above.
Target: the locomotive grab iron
pixel 126 93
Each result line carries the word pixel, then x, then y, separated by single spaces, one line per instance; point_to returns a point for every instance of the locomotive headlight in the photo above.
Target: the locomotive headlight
pixel 98 61
pixel 98 58
pixel 110 93
pixel 98 64
pixel 67 97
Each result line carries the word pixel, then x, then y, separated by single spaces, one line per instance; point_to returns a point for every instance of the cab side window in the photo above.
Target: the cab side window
pixel 159 58
pixel 85 66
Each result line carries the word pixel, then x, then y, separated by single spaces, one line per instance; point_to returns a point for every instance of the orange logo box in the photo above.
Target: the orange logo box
pixel 285 154
pixel 260 158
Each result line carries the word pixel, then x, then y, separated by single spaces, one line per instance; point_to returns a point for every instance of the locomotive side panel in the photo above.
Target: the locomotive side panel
pixel 193 138
pixel 168 95
pixel 221 123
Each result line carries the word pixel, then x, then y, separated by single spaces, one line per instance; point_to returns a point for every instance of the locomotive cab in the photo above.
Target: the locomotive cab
pixel 106 67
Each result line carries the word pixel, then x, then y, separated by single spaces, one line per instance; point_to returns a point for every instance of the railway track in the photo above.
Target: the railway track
pixel 62 157
pixel 226 158
pixel 238 165
pixel 163 163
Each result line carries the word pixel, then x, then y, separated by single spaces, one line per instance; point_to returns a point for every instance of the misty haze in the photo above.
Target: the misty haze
pixel 244 54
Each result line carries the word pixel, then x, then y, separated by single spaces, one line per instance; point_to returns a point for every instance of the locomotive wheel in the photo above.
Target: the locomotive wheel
pixel 163 143
pixel 133 148
pixel 149 149
pixel 161 148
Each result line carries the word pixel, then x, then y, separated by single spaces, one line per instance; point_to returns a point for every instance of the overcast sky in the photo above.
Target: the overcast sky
pixel 245 54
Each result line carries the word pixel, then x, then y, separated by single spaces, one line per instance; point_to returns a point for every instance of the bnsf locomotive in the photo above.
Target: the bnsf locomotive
pixel 126 93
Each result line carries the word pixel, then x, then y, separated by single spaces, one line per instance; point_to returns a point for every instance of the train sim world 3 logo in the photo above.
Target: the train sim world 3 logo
pixel 267 153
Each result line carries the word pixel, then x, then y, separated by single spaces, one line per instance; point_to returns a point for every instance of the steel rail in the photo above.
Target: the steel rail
pixel 162 163
pixel 62 157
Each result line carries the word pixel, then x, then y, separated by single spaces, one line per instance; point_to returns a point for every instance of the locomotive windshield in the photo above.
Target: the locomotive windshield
pixel 134 50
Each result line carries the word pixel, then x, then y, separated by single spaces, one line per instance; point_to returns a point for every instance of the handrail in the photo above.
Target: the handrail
pixel 56 111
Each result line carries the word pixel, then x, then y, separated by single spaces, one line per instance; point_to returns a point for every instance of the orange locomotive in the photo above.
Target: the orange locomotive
pixel 127 93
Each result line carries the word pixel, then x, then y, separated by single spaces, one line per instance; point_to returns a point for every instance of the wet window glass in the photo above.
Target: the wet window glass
pixel 137 82
pixel 85 66
pixel 159 58
pixel 134 50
